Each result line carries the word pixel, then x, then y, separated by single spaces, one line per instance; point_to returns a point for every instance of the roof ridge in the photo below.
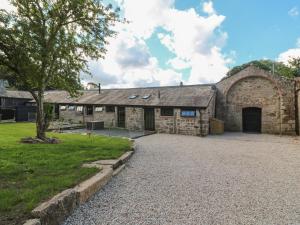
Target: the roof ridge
pixel 156 87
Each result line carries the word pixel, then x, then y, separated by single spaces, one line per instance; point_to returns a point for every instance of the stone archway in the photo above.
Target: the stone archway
pixel 273 81
pixel 254 92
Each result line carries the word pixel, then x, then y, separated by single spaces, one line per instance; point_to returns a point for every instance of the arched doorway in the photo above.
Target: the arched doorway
pixel 252 120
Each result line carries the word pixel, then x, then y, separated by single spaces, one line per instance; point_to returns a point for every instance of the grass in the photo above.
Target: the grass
pixel 30 174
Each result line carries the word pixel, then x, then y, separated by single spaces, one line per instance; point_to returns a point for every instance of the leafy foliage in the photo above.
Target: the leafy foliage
pixel 279 68
pixel 46 44
pixel 295 65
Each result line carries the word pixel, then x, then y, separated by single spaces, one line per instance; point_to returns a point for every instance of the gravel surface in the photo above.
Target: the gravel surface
pixel 229 179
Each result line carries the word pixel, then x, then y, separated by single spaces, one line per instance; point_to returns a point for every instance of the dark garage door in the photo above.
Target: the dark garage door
pixel 252 120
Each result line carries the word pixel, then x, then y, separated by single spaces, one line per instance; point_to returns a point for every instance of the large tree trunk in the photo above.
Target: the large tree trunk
pixel 40 119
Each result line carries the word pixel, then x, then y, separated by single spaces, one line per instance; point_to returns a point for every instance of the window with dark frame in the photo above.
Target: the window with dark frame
pixel 89 110
pixel 110 109
pixel 188 113
pixel 167 111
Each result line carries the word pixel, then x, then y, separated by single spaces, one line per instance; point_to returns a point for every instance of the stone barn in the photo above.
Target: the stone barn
pixel 255 100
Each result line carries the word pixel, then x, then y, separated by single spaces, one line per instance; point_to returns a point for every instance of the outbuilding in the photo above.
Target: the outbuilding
pixel 174 109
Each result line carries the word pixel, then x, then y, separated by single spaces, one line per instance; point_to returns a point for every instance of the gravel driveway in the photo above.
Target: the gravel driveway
pixel 229 179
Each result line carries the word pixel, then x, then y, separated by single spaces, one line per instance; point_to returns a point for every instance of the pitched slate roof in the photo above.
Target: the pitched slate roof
pixel 177 96
pixel 15 94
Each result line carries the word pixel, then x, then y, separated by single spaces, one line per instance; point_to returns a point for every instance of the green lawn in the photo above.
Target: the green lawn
pixel 30 174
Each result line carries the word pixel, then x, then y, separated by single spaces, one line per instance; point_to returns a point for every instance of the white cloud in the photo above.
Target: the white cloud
pixel 144 16
pixel 290 53
pixel 208 7
pixel 128 63
pixel 208 68
pixel 195 40
pixel 293 12
pixel 6 5
pixel 287 55
pixel 196 44
pixel 179 64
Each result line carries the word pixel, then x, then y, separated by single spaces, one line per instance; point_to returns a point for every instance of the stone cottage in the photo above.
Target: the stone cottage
pixel 252 100
pixel 176 109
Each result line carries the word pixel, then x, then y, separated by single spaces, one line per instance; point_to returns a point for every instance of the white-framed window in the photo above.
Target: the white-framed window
pixel 98 109
pixel 188 113
pixel 79 108
pixel 71 107
pixel 63 107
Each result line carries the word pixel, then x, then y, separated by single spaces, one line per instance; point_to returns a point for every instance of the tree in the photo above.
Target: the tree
pixel 268 65
pixel 294 63
pixel 45 44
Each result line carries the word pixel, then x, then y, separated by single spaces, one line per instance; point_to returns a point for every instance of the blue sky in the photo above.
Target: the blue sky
pixel 259 29
pixel 194 41
pixel 256 29
pixel 198 41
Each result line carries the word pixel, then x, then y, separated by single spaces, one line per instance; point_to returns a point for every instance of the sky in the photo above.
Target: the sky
pixel 194 41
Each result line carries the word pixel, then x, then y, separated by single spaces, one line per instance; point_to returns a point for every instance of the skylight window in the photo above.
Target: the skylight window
pixel 146 96
pixel 133 96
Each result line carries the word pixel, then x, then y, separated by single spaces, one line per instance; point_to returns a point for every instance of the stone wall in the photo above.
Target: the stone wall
pixel 109 118
pixel 254 87
pixel 165 124
pixel 206 115
pixel 297 99
pixel 177 124
pixel 134 118
pixel 71 116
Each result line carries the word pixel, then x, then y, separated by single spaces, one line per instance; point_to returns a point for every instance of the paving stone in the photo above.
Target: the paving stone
pixel 89 187
pixel 33 222
pixel 126 156
pixel 114 163
pixel 56 210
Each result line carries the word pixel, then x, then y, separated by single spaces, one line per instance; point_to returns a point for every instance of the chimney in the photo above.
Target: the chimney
pixel 158 94
pixel 99 87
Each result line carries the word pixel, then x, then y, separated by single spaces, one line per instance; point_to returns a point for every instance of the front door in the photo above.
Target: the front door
pixel 149 119
pixel 252 120
pixel 121 117
pixel 56 111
